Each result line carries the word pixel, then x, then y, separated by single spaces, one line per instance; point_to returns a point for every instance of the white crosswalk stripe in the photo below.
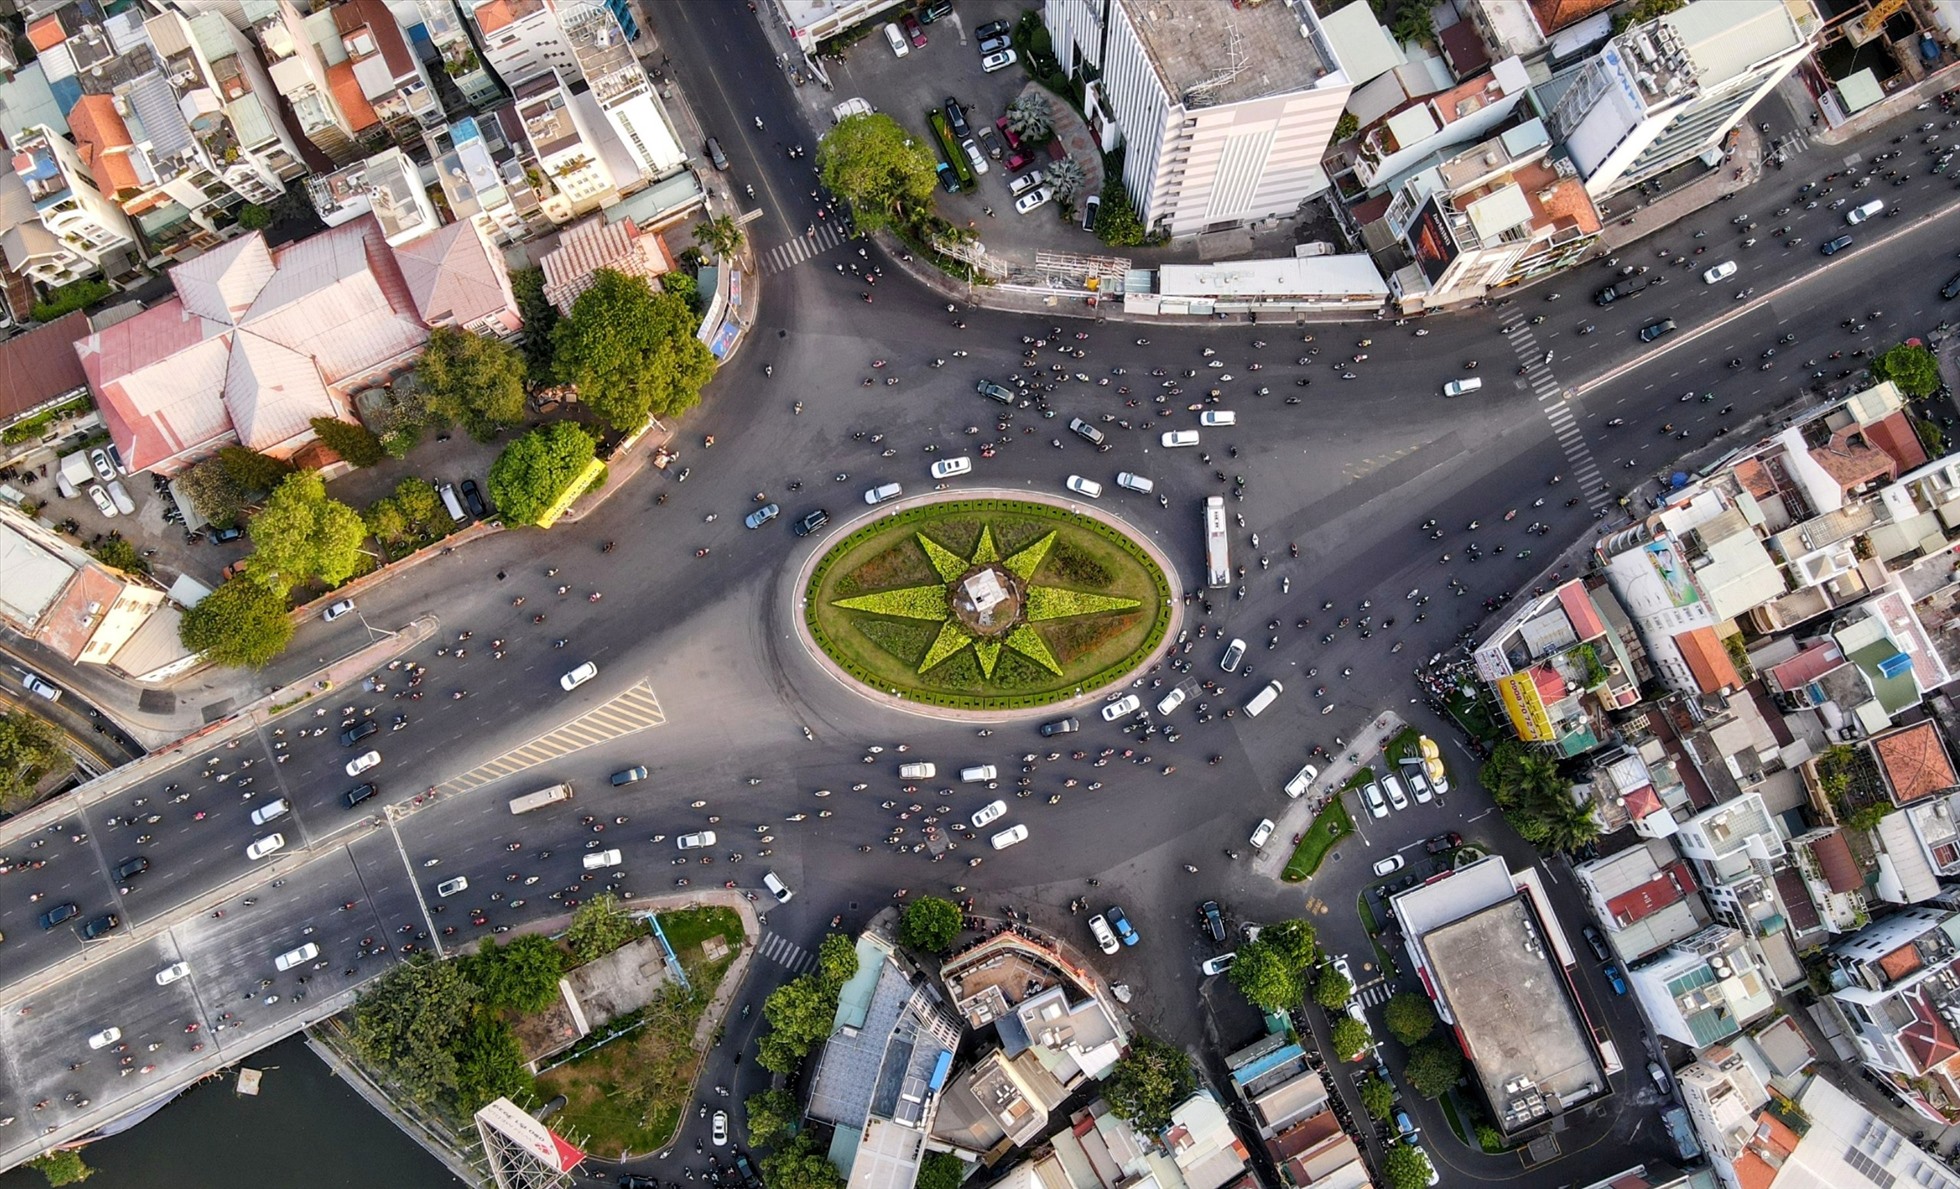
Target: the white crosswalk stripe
pixel 1376 992
pixel 1558 414
pixel 803 247
pixel 784 952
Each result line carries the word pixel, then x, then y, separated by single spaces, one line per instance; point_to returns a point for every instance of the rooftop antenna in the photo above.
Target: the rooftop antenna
pixel 1200 94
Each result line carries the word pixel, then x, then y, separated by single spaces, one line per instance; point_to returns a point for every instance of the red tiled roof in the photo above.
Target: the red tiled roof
pixel 1550 686
pixel 1553 15
pixel 1579 609
pixel 347 93
pixel 1637 904
pixel 1851 460
pixel 46 33
pixel 1834 856
pixel 1899 963
pixel 1893 433
pixel 1807 666
pixel 1754 478
pixel 101 138
pixel 1642 801
pixel 1707 660
pixel 1914 762
pixel 1795 895
pixel 1927 1040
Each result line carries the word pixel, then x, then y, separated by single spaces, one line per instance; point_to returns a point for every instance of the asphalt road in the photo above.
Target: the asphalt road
pixel 1347 474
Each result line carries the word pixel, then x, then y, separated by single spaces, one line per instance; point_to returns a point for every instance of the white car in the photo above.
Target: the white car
pixel 721 1129
pixel 297 956
pixel 1170 701
pixel 120 495
pixel 989 813
pixel 1373 795
pixel 1720 272
pixel 1395 795
pixel 363 762
pixel 1262 832
pixel 1301 781
pixel 883 492
pixel 1127 704
pixel 578 676
pixel 265 846
pixel 974 155
pixel 1088 487
pixel 99 459
pixel 1220 964
pixel 1105 936
pixel 1389 866
pixel 1218 417
pixel 270 811
pixel 343 607
pixel 34 683
pixel 107 1036
pixel 1024 183
pixel 946 468
pixel 101 498
pixel 172 973
pixel 1010 836
pixel 895 37
pixel 1033 200
pixel 449 887
pixel 697 841
pixel 1179 437
pixel 1000 61
pixel 1419 787
pixel 595 860
pixel 1131 481
pixel 773 884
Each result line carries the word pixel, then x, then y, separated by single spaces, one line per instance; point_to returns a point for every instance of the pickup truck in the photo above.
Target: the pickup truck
pixel 1613 293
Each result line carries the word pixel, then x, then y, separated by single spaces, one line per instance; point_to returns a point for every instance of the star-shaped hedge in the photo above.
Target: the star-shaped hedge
pixel 934 602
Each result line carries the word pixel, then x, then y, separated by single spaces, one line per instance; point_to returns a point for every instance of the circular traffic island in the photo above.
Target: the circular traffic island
pixel 987 604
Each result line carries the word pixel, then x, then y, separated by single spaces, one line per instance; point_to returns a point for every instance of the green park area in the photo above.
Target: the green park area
pixel 1330 825
pixel 987 604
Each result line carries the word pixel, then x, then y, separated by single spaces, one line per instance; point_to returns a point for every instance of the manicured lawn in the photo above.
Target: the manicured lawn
pixel 689 927
pixel 1403 744
pixel 1086 604
pixel 1330 825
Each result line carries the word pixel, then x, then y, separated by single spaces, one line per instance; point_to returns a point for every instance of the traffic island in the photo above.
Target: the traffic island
pixel 1330 825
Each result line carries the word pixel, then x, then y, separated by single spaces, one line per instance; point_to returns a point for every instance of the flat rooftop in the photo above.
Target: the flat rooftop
pixel 1518 1026
pixel 1210 52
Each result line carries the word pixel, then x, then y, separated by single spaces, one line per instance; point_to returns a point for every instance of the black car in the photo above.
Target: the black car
pixel 715 154
pixel 636 1181
pixel 1443 843
pixel 358 732
pixel 937 10
pixel 129 867
pixel 633 775
pixel 59 913
pixel 1654 330
pixel 992 29
pixel 811 522
pixel 957 118
pixel 1061 726
pixel 748 1171
pixel 1951 289
pixel 100 926
pixel 1214 921
pixel 1596 943
pixel 1833 247
pixel 473 499
pixel 359 793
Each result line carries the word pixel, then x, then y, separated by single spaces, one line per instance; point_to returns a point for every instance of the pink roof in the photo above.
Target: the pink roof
pixel 1642 801
pixel 1808 665
pixel 1579 609
pixel 455 278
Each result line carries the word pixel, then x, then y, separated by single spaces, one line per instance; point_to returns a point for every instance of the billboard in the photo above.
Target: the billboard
pixel 516 1126
pixel 1525 708
pixel 1430 240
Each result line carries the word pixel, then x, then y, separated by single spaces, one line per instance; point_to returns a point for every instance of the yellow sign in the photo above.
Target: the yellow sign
pixel 593 470
pixel 1525 708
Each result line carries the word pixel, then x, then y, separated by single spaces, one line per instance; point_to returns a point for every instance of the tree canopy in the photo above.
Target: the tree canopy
pixel 837 959
pixel 241 623
pixel 220 487
pixel 600 926
pixel 1912 368
pixel 940 1170
pixel 631 351
pixel 1377 1096
pixel 1404 1166
pixel 1271 971
pixel 489 1064
pixel 540 319
pixel 883 171
pixel 772 1115
pixel 1333 989
pixel 1148 1082
pixel 930 924
pixel 798 1165
pixel 1536 799
pixel 29 750
pixel 409 1020
pixel 1434 1066
pixel 522 975
pixel 63 1166
pixel 303 536
pixel 719 236
pixel 1349 1037
pixel 536 469
pixel 356 444
pixel 1410 1017
pixel 473 380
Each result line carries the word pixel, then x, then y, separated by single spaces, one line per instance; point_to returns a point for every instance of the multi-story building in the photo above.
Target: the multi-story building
pixel 522 39
pixel 1224 111
pixel 1668 90
pixel 1722 1093
pixel 390 76
pixel 387 184
pixel 624 93
pixel 1703 989
pixel 1408 121
pixel 438 23
pixel 60 225
pixel 813 21
pixel 1560 665
pixel 567 155
pixel 483 175
pixel 323 92
pixel 1644 896
pixel 1898 993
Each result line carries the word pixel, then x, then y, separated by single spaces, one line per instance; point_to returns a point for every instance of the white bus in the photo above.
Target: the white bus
pixel 1218 561
pixel 549 795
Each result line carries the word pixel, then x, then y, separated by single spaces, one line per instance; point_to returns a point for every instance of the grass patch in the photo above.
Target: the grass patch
pixel 1472 714
pixel 627 1097
pixel 1402 746
pixel 1330 825
pixel 1448 1103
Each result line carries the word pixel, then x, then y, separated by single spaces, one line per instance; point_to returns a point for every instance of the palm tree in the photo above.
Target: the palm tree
pixel 719 235
pixel 1066 179
pixel 1030 118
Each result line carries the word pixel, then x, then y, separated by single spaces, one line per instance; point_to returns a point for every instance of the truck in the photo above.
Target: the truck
pixel 549 795
pixel 1626 288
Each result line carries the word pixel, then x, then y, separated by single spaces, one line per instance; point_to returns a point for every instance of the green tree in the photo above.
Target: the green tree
pixel 773 1115
pixel 1148 1082
pixel 632 352
pixel 1333 990
pixel 489 1064
pixel 29 750
pixel 600 926
pixel 1377 1096
pixel 1294 941
pixel 1264 978
pixel 1413 23
pixel 302 536
pixel 385 521
pixel 1117 223
pixel 1434 1066
pixel 1031 117
pixel 61 1167
pixel 522 975
pixel 1404 1166
pixel 256 474
pixel 75 295
pixel 474 380
pixel 883 171
pixel 777 1053
pixel 534 471
pixel 940 1170
pixel 1346 126
pixel 213 491
pixel 801 1011
pixel 1642 11
pixel 1536 799
pixel 1913 369
pixel 408 1023
pixel 241 624
pixel 719 236
pixel 253 217
pixel 354 443
pixel 421 506
pixel 837 960
pixel 1349 1037
pixel 115 550
pixel 1409 1017
pixel 1065 178
pixel 930 924
pixel 798 1165
pixel 684 286
pixel 540 318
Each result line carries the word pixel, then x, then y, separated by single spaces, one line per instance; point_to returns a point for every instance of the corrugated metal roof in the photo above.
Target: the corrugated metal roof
pixel 155 107
pixel 272 391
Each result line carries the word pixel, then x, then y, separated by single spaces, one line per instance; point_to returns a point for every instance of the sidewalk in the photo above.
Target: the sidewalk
pixel 1364 750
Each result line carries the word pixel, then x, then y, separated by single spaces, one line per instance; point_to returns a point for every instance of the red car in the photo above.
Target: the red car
pixel 914 30
pixel 1013 141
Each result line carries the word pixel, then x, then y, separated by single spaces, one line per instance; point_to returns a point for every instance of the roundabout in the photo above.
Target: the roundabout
pixel 987 605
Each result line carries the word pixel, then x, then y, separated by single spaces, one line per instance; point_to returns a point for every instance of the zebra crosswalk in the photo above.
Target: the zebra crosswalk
pixel 1558 412
pixel 1377 992
pixel 803 247
pixel 784 952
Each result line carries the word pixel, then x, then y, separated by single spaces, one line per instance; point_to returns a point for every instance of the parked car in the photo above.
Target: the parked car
pixel 1214 921
pixel 1595 942
pixel 956 116
pixel 913 31
pixel 1219 964
pixel 993 29
pixel 1121 924
pixel 1389 865
pixel 1614 979
pixel 1024 183
pixel 1443 843
pixel 895 37
pixel 1262 832
pixel 999 60
pixel 34 683
pixel 715 154
pixel 99 459
pixel 1104 935
pixel 1373 795
pixel 343 607
pixel 473 498
pixel 103 503
pixel 1033 200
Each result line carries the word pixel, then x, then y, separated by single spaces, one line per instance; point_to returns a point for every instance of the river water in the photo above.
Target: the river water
pixel 305 1130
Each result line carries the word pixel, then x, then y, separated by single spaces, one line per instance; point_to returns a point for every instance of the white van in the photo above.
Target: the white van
pixel 920 771
pixel 273 809
pixel 297 957
pixel 1858 214
pixel 1263 699
pixel 883 492
pixel 1131 481
pixel 979 773
pixel 1297 787
pixel 449 501
pixel 593 860
pixel 895 37
pixel 1218 417
pixel 1459 387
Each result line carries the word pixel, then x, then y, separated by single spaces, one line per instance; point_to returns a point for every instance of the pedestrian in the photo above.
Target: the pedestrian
pixel 989 210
